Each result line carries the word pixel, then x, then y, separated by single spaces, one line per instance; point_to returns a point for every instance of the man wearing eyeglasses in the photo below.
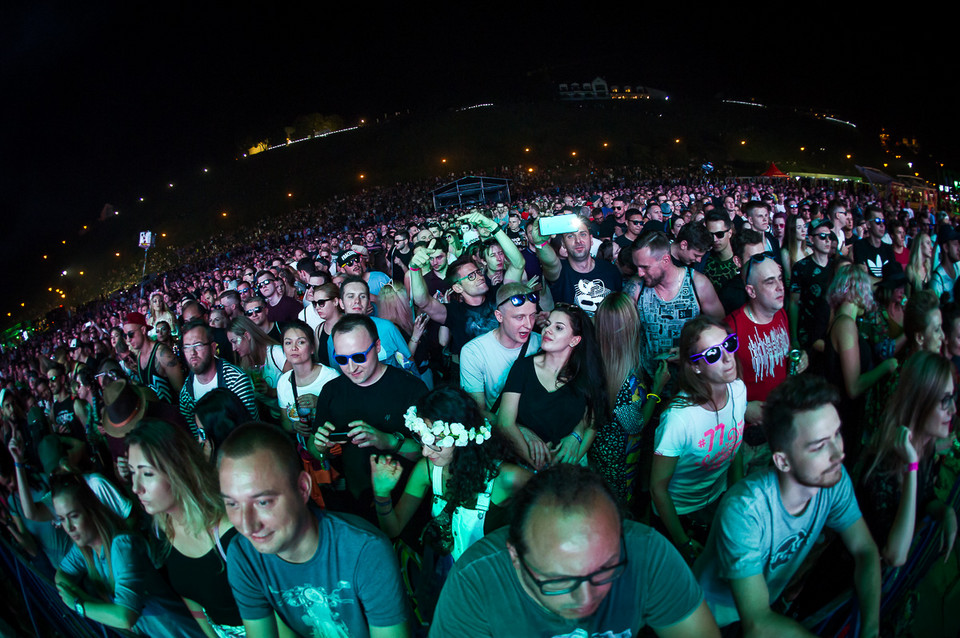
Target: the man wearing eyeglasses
pixel 279 306
pixel 209 372
pixel 157 366
pixel 768 523
pixel 871 250
pixel 568 565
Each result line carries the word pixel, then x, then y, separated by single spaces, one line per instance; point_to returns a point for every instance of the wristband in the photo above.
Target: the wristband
pixel 412 269
pixel 539 246
pixel 400 440
pixel 651 394
pixel 577 437
pixel 913 467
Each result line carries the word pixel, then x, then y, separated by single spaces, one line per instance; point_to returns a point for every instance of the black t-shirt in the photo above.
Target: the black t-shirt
pixel 204 580
pixel 609 226
pixel 404 259
pixel 551 415
pixel 810 281
pixel 865 253
pixel 586 290
pixel 467 322
pixel 381 405
pixel 518 237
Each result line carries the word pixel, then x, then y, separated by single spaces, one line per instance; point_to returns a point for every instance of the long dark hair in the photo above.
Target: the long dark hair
pixel 584 369
pixel 474 464
pixel 695 391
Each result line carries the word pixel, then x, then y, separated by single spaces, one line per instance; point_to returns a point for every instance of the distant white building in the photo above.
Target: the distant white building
pixel 599 90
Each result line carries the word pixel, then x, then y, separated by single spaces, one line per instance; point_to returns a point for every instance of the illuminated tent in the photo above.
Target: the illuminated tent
pixel 471 190
pixel 773 171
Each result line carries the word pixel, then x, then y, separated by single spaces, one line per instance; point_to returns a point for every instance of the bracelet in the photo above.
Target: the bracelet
pixel 651 394
pixel 400 440
pixel 539 246
pixel 913 467
pixel 412 269
pixel 575 435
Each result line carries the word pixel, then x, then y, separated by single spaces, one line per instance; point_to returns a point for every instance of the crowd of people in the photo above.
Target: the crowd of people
pixel 651 415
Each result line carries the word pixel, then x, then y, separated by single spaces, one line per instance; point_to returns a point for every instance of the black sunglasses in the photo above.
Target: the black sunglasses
pixel 519 300
pixel 759 258
pixel 720 233
pixel 265 282
pixel 714 353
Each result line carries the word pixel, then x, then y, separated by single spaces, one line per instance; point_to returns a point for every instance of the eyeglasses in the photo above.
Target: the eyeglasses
pixel 720 233
pixel 243 291
pixel 320 302
pixel 879 221
pixel 567 584
pixel 949 400
pixel 256 310
pixel 471 276
pixel 638 222
pixel 715 353
pixel 130 333
pixel 356 357
pixel 519 300
pixel 218 306
pixel 824 236
pixel 759 258
pixel 195 346
pixel 265 282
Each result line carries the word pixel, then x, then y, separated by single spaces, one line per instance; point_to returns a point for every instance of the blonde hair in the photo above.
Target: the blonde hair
pixel 394 305
pixel 618 335
pixel 851 283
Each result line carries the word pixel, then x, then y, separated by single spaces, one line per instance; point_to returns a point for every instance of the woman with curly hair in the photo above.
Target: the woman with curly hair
pixel 848 356
pixel 553 401
pixel 179 489
pixel 462 469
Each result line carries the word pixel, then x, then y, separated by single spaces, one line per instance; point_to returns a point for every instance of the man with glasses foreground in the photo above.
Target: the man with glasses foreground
pixel 209 372
pixel 362 410
pixel 569 565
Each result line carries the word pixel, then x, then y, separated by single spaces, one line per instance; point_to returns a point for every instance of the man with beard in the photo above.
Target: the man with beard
pixel 767 524
pixel 580 278
pixel 671 296
pixel 208 372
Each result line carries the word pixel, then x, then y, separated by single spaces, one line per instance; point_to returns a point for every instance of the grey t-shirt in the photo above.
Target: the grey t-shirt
pixel 485 364
pixel 483 596
pixel 753 534
pixel 137 586
pixel 352 582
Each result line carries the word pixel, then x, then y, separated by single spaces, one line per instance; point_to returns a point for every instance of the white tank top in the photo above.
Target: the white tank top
pixel 466 524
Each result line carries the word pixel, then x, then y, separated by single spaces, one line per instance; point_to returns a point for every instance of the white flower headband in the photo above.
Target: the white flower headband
pixel 442 434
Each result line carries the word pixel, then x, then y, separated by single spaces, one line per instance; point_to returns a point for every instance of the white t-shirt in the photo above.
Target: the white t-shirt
pixel 704 443
pixel 485 364
pixel 273 365
pixel 200 389
pixel 285 390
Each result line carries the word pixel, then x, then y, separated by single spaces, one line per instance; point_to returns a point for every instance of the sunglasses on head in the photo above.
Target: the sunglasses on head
pixel 519 300
pixel 253 311
pixel 714 353
pixel 356 357
pixel 759 258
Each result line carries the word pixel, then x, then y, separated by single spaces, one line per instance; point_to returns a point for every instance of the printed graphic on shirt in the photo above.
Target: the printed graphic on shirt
pixel 589 294
pixel 767 352
pixel 788 548
pixel 725 440
pixel 320 608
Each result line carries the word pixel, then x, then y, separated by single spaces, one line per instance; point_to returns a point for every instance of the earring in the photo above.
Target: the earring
pixel 697 371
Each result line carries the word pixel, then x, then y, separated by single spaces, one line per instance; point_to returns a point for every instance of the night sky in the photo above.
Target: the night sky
pixel 105 101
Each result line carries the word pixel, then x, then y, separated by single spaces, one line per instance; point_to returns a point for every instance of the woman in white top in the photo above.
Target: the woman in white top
pixel 461 468
pixel 298 389
pixel 699 434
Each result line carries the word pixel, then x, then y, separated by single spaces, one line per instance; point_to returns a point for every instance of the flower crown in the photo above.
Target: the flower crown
pixel 443 434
